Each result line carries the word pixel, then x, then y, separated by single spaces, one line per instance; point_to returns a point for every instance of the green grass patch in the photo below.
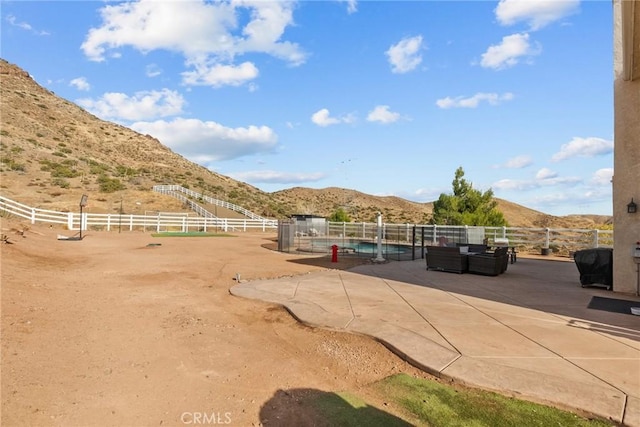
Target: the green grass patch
pixel 412 401
pixel 190 234
pixel 431 403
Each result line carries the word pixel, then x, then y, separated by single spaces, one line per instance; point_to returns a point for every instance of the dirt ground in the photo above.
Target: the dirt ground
pixel 130 330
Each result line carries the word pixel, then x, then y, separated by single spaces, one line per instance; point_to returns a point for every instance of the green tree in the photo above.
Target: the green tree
pixel 467 206
pixel 339 216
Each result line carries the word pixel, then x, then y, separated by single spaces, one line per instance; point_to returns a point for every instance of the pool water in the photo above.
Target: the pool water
pixel 372 248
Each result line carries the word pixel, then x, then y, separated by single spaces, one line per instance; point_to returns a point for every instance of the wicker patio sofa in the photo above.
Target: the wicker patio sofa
pixel 446 258
pixel 474 247
pixel 489 264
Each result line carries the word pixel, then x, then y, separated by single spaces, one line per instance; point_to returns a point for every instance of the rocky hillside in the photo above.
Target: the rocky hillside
pixel 53 151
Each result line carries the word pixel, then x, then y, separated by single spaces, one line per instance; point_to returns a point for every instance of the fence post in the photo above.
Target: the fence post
pixel 547 237
pixel 596 238
pixel 413 242
pixel 33 215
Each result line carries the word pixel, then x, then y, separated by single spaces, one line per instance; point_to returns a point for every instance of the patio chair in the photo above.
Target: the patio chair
pixel 489 264
pixel 446 259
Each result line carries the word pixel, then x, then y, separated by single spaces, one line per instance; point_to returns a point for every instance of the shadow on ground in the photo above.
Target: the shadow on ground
pixel 311 407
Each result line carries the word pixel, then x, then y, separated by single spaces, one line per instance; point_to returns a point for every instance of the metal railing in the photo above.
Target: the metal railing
pixel 352 237
pixel 175 190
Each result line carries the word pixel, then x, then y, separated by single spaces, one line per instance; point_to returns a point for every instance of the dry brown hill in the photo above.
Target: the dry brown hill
pixel 53 151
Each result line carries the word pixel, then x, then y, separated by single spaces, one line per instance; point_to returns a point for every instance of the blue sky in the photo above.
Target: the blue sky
pixel 383 97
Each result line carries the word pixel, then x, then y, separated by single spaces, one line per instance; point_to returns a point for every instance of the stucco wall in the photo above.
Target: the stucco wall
pixel 626 180
pixel 626 184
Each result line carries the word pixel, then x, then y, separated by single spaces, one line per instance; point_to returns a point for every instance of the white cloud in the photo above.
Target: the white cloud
pixel 220 75
pixel 275 177
pixel 546 173
pixel 509 52
pixel 518 162
pixel 543 178
pixel 425 194
pixel 586 197
pixel 352 6
pixel 152 70
pixel 537 13
pixel 140 106
pixel 205 33
pixel 323 118
pixel 382 114
pixel 404 56
pixel 583 147
pixel 12 20
pixel 602 176
pixel 80 83
pixel 472 102
pixel 206 141
pixel 513 184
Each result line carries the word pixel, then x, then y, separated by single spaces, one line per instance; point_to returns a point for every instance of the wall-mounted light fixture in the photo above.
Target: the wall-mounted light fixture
pixel 632 207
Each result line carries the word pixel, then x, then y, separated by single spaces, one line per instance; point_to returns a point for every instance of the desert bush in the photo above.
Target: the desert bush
pixel 62 183
pixel 109 185
pixel 13 165
pixel 125 171
pixel 96 168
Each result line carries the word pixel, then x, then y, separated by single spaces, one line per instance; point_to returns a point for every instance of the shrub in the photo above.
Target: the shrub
pixel 109 185
pixel 62 183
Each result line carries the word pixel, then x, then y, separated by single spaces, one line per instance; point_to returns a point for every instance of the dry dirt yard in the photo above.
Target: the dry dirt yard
pixel 112 331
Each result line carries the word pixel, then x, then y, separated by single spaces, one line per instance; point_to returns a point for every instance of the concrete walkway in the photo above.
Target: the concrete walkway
pixel 526 333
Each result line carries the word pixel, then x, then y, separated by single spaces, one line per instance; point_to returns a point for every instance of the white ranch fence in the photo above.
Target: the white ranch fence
pixel 161 221
pixel 295 235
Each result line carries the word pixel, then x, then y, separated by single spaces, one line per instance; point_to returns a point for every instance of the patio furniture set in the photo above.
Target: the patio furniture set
pixel 476 259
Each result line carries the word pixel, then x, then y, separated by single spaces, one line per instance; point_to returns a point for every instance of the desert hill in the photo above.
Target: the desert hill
pixel 363 207
pixel 53 151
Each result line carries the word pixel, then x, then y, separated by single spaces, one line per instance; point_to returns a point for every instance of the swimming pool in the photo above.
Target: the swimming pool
pixel 357 247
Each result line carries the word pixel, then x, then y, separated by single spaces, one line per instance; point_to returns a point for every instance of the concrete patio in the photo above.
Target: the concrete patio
pixel 527 333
